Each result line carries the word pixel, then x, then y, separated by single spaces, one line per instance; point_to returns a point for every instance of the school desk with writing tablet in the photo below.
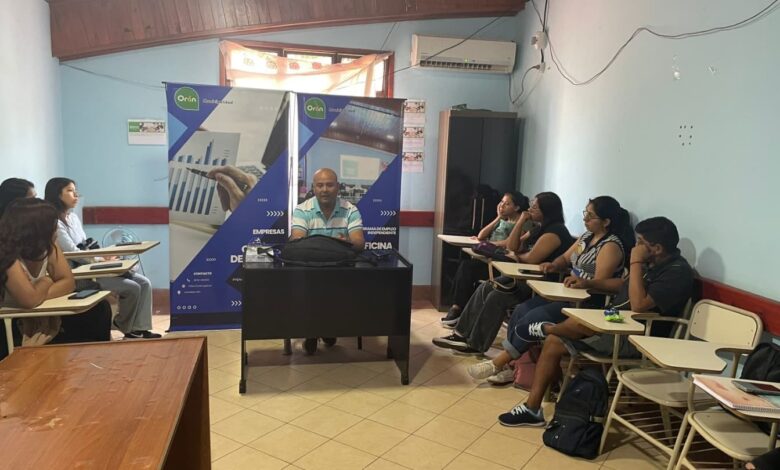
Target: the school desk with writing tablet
pixel 119 404
pixel 97 270
pixel 557 292
pixel 458 240
pixel 56 306
pixel 114 250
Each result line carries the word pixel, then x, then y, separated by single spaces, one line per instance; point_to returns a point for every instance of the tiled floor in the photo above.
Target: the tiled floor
pixel 344 408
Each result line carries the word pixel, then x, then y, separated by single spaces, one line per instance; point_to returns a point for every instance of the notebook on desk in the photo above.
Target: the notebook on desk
pixel 723 389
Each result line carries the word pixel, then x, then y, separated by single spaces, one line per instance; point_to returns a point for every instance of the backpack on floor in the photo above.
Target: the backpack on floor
pixel 525 367
pixel 578 423
pixel 763 364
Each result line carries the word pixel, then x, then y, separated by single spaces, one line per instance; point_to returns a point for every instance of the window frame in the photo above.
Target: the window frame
pixel 282 49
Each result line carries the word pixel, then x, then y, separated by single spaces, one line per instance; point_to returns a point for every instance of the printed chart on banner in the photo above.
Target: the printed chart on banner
pixel 414 136
pixel 192 194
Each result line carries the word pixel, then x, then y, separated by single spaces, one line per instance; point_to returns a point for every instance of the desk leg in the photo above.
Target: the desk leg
pixel 398 350
pixel 9 335
pixel 244 365
pixel 773 435
pixel 287 346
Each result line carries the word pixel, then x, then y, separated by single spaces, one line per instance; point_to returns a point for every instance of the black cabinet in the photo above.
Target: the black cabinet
pixel 478 161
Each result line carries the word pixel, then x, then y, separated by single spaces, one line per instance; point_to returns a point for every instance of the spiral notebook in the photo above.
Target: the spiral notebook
pixel 723 389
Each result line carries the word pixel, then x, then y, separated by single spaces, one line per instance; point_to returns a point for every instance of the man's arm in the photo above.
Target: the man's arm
pixel 637 292
pixel 357 239
pixel 355 229
pixel 299 225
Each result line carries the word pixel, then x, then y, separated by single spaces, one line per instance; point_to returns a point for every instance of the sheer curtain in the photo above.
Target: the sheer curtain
pixel 251 68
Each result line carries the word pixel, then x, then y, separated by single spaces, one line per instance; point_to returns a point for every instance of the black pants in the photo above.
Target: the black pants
pixel 92 325
pixel 470 271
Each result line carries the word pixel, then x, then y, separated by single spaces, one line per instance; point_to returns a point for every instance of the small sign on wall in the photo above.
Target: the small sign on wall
pixel 146 132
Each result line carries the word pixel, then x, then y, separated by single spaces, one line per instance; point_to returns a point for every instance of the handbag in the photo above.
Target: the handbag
pixel 492 251
pixel 525 366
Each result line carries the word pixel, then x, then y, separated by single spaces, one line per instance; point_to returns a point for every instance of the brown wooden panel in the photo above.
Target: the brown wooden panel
pixel 81 28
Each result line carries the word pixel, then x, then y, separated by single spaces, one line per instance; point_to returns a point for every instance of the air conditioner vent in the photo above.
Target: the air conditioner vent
pixel 472 55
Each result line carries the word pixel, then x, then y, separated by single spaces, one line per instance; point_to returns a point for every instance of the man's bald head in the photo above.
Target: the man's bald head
pixel 325 173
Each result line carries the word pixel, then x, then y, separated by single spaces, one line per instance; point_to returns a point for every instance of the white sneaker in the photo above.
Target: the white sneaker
pixel 482 370
pixel 503 377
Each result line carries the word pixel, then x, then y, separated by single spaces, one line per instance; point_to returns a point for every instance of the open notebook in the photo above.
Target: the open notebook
pixel 724 391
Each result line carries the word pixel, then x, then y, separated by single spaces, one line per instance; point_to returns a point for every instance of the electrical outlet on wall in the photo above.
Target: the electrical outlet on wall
pixel 685 135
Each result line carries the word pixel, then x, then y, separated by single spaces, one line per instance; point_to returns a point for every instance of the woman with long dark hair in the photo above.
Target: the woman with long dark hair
pixel 12 189
pixel 134 318
pixel 596 260
pixel 481 319
pixel 33 269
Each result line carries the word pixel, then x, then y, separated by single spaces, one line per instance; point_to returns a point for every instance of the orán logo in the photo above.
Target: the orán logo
pixel 314 108
pixel 187 99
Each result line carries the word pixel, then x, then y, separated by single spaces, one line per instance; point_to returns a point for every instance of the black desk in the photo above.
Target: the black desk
pixel 281 302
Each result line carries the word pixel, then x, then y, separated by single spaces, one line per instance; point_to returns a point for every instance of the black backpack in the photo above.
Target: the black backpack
pixel 763 364
pixel 319 250
pixel 577 425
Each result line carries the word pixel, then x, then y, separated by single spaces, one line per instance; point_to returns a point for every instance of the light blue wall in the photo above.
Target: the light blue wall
pixel 31 131
pixel 95 110
pixel 619 135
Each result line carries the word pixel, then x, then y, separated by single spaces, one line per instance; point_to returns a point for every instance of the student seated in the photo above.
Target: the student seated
pixel 660 280
pixel 597 262
pixel 134 318
pixel 327 214
pixel 33 269
pixel 14 188
pixel 513 207
pixel 481 318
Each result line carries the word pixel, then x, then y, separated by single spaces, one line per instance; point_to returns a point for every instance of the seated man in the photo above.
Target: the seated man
pixel 327 214
pixel 660 280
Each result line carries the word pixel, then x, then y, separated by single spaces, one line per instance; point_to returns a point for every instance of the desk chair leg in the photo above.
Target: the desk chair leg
pixel 287 347
pixel 360 342
pixel 682 457
pixel 610 414
pixel 667 422
pixel 9 335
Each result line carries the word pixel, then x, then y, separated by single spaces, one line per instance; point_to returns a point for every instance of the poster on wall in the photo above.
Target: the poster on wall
pixel 360 139
pixel 146 132
pixel 414 136
pixel 227 187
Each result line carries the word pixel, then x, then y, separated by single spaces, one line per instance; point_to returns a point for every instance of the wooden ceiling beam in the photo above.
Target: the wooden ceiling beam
pixel 82 28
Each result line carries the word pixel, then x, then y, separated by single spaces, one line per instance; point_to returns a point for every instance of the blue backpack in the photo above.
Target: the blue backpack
pixel 578 423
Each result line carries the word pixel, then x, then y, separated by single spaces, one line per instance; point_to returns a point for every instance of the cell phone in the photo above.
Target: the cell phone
pixel 128 243
pixel 756 389
pixel 83 294
pixel 95 267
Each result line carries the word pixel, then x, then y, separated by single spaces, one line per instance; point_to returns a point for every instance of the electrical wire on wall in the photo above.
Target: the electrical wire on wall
pixel 763 13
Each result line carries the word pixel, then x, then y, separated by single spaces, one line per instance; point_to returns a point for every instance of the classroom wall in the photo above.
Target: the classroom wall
pixel 97 104
pixel 31 133
pixel 621 135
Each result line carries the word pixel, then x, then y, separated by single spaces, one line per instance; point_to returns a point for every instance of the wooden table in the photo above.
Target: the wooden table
pixel 56 306
pixel 556 291
pixel 113 250
pixel 128 404
pixel 458 240
pixel 85 272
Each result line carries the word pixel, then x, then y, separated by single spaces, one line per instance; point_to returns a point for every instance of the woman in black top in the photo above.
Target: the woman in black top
pixel 481 318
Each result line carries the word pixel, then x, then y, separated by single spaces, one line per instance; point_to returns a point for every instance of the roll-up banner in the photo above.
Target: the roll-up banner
pixel 360 139
pixel 228 185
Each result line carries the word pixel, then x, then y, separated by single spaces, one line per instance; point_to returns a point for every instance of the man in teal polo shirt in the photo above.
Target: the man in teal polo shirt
pixel 327 214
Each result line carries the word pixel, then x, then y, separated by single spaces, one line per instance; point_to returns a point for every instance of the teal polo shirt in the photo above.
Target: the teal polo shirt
pixel 345 219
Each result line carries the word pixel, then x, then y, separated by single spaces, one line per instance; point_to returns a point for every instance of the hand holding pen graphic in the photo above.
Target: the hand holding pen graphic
pixel 232 185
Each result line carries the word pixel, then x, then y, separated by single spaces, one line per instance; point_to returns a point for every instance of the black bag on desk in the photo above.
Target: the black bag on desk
pixel 319 250
pixel 491 251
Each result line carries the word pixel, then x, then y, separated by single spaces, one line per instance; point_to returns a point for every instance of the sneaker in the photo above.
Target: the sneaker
pixel 522 416
pixel 466 351
pixel 453 314
pixel 482 370
pixel 145 334
pixel 450 342
pixel 535 332
pixel 502 377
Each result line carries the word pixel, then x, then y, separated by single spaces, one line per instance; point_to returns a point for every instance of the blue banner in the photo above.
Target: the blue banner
pixel 228 185
pixel 360 139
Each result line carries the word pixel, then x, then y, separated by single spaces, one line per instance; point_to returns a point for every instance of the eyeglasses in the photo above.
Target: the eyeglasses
pixel 588 216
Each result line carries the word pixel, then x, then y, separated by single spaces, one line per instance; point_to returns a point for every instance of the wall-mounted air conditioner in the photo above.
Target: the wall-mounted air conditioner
pixel 472 55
